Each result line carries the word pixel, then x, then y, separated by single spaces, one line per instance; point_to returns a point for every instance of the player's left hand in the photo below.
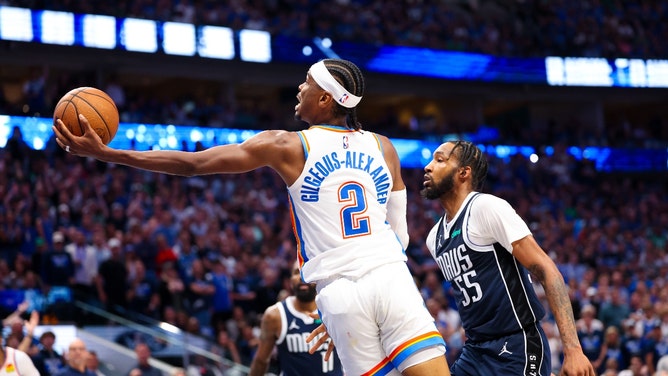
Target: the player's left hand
pixel 321 336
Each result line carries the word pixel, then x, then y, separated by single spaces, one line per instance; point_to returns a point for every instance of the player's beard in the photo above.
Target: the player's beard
pixel 439 189
pixel 306 295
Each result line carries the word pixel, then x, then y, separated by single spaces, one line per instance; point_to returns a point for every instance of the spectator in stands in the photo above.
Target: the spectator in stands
pixel 143 353
pixel 171 288
pixel 266 292
pixel 17 276
pixel 247 341
pixel 244 282
pixel 21 332
pixel 222 300
pixel 613 312
pixel 117 219
pixel 100 246
pixel 58 266
pixel 85 265
pixel 590 332
pixel 226 348
pixel 93 363
pixel 200 294
pixel 556 346
pixel 142 294
pixel 48 361
pixel 13 320
pixel 610 350
pixel 610 368
pixel 16 146
pixel 440 318
pixel 165 254
pixel 34 91
pixel 654 346
pixel 77 355
pixel 111 281
pixel 631 341
pixel 186 253
pixel 636 368
pixel 115 91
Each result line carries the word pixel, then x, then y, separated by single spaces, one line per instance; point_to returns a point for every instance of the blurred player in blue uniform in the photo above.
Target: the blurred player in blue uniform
pixel 285 325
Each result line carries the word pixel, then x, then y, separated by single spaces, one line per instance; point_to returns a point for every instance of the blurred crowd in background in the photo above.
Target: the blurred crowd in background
pixel 209 254
pixel 220 107
pixel 522 28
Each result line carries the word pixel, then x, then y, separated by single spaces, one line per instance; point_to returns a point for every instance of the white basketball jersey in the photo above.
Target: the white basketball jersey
pixel 17 363
pixel 339 205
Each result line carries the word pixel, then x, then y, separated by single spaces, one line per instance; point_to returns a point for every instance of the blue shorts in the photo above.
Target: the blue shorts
pixel 525 352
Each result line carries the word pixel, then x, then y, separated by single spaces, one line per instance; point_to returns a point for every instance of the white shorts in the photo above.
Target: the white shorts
pixel 379 322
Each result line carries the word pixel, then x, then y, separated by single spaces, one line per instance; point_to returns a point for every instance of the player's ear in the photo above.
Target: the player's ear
pixel 325 98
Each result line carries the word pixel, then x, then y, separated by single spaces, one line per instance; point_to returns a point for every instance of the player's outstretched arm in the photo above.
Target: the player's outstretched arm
pixel 270 327
pixel 264 149
pixel 534 258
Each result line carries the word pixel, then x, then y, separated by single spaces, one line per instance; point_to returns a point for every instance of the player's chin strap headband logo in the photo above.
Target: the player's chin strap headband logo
pixel 325 80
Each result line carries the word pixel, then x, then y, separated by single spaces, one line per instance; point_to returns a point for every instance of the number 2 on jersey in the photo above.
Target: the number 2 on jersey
pixel 353 221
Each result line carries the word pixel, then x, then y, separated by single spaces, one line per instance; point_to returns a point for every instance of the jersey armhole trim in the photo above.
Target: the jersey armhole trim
pixel 305 144
pixel 284 322
pixel 380 144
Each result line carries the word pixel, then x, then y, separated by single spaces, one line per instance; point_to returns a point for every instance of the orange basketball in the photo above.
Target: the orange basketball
pixel 96 105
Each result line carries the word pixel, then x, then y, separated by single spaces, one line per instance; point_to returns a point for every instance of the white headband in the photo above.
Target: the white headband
pixel 325 80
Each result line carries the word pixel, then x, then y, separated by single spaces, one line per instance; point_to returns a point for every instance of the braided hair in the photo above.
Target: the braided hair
pixel 470 155
pixel 350 76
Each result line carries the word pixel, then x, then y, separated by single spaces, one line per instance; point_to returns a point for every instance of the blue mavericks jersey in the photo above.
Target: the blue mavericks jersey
pixel 293 356
pixel 493 292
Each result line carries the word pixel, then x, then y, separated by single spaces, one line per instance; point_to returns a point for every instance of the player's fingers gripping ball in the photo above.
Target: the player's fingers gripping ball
pixel 96 105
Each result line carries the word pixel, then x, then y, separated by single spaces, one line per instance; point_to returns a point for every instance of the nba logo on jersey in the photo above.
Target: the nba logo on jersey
pixel 345 142
pixel 343 98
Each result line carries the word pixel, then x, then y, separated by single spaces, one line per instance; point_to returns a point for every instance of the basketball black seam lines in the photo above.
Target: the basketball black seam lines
pixel 69 102
pixel 104 121
pixel 76 110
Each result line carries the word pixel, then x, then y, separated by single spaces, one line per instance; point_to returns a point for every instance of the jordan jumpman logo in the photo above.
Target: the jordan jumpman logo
pixel 504 350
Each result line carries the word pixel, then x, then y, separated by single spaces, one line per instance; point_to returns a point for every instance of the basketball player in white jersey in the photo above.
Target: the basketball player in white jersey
pixel 16 363
pixel 348 204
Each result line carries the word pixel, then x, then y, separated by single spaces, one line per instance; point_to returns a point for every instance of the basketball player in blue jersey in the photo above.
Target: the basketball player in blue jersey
pixel 348 206
pixel 487 252
pixel 285 325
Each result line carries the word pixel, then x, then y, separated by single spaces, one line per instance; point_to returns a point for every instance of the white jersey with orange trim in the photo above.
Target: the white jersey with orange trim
pixel 339 205
pixel 17 363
